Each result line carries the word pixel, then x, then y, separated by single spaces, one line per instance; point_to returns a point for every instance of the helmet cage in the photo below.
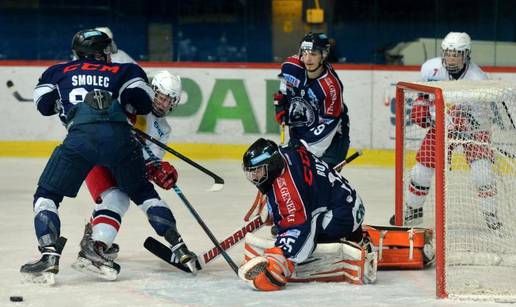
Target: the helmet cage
pixel 455 60
pixel 164 103
pixel 257 175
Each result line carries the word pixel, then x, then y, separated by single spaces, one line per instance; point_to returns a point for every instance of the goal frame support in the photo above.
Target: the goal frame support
pixel 440 165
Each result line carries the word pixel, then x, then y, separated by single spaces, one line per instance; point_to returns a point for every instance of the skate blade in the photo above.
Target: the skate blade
pixel 86 266
pixel 39 278
pixel 191 264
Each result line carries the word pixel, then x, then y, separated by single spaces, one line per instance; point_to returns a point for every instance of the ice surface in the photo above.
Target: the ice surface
pixel 147 281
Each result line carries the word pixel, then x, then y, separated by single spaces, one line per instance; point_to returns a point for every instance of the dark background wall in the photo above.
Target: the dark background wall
pixel 241 30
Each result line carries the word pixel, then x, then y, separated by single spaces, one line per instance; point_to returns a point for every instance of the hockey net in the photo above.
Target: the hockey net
pixel 473 121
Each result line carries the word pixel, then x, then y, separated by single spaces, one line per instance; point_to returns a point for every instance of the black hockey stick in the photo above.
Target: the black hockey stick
pixel 206 229
pixel 12 88
pixel 219 182
pixel 339 166
pixel 508 114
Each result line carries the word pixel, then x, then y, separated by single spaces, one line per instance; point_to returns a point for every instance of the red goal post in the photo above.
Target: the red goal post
pixel 458 256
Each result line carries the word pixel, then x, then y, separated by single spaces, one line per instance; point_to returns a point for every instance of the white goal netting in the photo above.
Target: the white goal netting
pixel 479 180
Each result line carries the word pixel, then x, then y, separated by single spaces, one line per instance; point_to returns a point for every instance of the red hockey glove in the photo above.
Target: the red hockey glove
pixel 281 107
pixel 162 173
pixel 420 113
pixel 269 272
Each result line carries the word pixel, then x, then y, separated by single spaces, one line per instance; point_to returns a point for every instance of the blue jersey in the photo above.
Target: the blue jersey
pixel 316 107
pixel 64 85
pixel 310 200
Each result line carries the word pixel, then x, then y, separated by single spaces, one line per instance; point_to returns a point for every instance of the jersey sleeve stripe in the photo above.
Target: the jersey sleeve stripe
pixel 139 83
pixel 41 90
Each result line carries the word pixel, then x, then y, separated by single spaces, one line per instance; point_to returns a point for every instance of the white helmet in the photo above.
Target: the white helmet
pixel 168 92
pixel 114 48
pixel 453 45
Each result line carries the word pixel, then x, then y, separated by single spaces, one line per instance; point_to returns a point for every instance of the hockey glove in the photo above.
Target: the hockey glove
pixel 281 107
pixel 268 272
pixel 162 173
pixel 420 113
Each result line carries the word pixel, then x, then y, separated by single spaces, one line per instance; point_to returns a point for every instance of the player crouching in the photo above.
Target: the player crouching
pixel 319 220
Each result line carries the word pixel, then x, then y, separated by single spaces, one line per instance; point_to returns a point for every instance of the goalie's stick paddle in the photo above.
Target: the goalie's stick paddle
pixel 17 96
pixel 219 182
pixel 163 252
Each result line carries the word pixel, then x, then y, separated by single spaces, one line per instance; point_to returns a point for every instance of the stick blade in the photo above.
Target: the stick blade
pixel 216 187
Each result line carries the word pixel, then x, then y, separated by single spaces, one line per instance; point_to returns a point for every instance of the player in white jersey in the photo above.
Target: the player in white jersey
pixel 111 202
pixel 117 55
pixel 466 122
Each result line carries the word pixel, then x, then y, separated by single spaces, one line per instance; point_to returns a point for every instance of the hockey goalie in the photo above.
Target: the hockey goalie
pixel 318 216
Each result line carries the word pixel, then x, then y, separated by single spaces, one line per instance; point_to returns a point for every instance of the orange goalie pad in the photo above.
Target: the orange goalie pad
pixel 401 247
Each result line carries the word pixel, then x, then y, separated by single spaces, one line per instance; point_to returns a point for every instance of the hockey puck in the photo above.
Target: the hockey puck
pixel 16 298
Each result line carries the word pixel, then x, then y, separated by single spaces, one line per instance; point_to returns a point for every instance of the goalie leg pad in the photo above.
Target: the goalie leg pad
pixel 339 262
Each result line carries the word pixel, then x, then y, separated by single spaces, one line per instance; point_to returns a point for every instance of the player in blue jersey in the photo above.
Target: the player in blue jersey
pixel 310 101
pixel 93 98
pixel 309 203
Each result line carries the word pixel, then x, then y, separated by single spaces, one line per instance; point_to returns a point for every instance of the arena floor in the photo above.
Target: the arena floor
pixel 146 280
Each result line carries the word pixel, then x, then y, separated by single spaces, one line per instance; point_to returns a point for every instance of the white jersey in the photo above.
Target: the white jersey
pixel 158 128
pixel 121 57
pixel 434 70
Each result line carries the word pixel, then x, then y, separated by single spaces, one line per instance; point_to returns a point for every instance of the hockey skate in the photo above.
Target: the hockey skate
pixel 111 252
pixel 411 217
pixel 43 271
pixel 92 260
pixel 180 253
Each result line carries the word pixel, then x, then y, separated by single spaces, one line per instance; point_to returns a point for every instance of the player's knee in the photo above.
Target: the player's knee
pixel 114 200
pixel 483 175
pixel 44 204
pixel 422 175
pixel 159 215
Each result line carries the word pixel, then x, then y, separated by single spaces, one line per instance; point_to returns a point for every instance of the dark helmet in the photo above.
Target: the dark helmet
pixel 315 41
pixel 90 44
pixel 263 163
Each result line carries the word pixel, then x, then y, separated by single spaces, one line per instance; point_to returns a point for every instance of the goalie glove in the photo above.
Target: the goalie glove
pixel 162 173
pixel 269 272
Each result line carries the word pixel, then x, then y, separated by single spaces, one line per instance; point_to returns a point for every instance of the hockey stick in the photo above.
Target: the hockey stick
pixel 339 166
pixel 163 252
pixel 219 182
pixel 12 88
pixel 206 229
pixel 508 114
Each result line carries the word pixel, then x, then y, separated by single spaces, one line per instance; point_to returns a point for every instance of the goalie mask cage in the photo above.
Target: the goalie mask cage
pixel 473 261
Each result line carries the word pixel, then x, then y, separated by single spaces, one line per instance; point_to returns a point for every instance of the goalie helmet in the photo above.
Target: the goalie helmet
pixel 456 51
pixel 91 44
pixel 315 41
pixel 114 48
pixel 262 164
pixel 168 92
